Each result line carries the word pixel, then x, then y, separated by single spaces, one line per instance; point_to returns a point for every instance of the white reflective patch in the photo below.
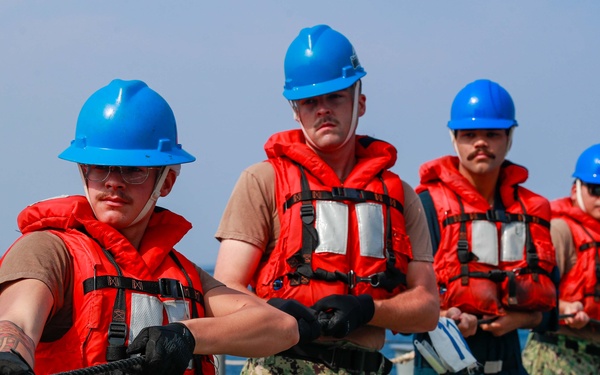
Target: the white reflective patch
pixel 177 310
pixel 332 227
pixel 484 241
pixel 370 229
pixel 513 241
pixel 492 367
pixel 146 311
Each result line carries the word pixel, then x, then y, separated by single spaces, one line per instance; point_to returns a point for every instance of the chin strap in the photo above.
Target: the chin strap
pixel 85 187
pixel 579 196
pixel 154 196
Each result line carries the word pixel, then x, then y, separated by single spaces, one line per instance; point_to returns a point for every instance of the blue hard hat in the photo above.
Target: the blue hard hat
pixel 482 104
pixel 587 168
pixel 319 61
pixel 128 124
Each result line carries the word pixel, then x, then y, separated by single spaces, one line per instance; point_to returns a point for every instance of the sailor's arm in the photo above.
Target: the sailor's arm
pixel 237 262
pixel 243 325
pixel 415 310
pixel 24 308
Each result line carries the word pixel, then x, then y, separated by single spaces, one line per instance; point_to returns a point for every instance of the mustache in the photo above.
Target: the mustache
pixel 119 194
pixel 323 120
pixel 473 154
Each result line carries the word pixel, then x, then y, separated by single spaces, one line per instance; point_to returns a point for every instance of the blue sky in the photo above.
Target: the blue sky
pixel 220 66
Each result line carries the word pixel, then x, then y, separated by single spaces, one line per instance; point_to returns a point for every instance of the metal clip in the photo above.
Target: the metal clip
pixel 353 280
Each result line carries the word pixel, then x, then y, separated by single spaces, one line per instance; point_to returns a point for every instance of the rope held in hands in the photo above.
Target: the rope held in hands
pixel 121 364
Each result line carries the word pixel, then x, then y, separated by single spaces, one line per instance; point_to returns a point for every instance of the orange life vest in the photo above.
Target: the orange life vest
pixel 582 282
pixel 489 260
pixel 335 238
pixel 117 290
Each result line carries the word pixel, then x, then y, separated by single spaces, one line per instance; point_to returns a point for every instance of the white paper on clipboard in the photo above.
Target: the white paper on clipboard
pixel 451 347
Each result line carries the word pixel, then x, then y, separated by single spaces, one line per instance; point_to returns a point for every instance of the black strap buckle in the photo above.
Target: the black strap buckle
pixel 117 332
pixel 463 251
pixel 170 288
pixel 341 193
pixel 496 216
pixel 307 213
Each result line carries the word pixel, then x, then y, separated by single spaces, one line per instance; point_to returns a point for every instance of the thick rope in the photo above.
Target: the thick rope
pixel 121 364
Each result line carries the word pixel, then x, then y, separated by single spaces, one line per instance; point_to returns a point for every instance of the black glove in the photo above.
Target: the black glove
pixel 168 349
pixel 340 314
pixel 308 326
pixel 12 363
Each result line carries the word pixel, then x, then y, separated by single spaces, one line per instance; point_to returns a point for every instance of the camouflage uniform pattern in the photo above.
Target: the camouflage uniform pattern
pixel 279 365
pixel 540 358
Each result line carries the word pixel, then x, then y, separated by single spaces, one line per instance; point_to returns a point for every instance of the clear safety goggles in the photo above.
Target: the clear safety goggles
pixel 131 175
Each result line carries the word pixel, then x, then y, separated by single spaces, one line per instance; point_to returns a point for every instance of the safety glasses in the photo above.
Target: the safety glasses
pixel 131 175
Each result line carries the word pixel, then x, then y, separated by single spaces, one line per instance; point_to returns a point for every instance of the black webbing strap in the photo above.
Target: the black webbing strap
pixel 462 246
pixel 197 358
pixel 496 276
pixel 170 288
pixel 589 245
pixel 495 216
pixel 117 329
pixel 533 258
pixel 301 260
pixel 392 277
pixel 190 286
pixel 354 361
pixel 343 193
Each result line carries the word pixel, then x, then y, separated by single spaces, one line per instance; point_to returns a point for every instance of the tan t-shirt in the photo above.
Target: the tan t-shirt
pixel 44 256
pixel 566 257
pixel 251 214
pixel 566 254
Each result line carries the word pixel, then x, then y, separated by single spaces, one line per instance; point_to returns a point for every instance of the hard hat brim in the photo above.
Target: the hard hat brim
pixel 323 88
pixel 478 123
pixel 587 179
pixel 126 158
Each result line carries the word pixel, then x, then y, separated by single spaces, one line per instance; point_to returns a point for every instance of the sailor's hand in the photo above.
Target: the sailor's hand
pixel 511 321
pixel 575 316
pixel 11 363
pixel 340 314
pixel 168 349
pixel 466 323
pixel 308 325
